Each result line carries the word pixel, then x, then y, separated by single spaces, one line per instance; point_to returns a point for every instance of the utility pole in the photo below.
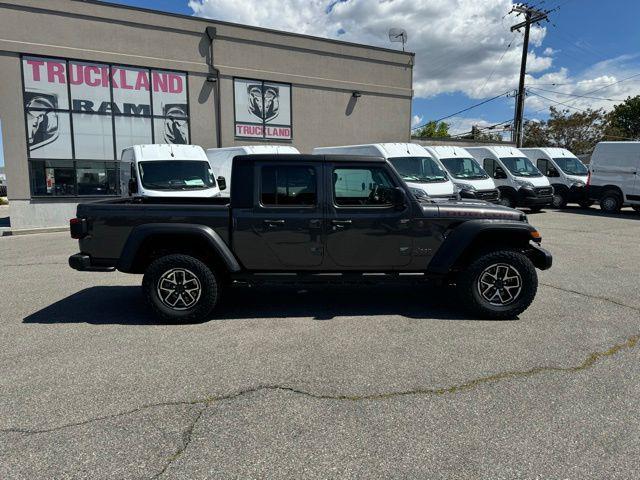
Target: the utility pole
pixel 531 17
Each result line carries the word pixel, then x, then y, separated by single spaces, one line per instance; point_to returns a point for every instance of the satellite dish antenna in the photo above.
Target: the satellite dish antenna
pixel 398 35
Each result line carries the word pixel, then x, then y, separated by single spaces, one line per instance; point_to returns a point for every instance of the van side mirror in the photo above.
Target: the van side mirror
pixel 552 172
pixel 133 186
pixel 499 173
pixel 222 183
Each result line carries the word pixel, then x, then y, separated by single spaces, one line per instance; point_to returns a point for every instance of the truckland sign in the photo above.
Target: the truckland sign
pixel 262 109
pixel 91 108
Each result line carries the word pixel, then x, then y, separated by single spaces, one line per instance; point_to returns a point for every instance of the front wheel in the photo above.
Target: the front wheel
pixel 611 202
pixel 507 200
pixel 498 285
pixel 180 288
pixel 559 199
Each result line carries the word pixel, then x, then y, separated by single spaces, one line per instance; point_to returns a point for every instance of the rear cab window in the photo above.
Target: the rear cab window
pixel 288 186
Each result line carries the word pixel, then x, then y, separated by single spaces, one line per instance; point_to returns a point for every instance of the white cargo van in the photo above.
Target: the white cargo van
pixel 416 166
pixel 614 175
pixel 466 173
pixel 567 174
pixel 221 158
pixel 520 183
pixel 164 170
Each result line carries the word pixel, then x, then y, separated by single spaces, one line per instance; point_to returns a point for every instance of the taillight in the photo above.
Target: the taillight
pixel 78 228
pixel 589 178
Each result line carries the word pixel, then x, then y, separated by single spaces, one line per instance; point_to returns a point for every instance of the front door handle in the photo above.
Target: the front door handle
pixel 340 223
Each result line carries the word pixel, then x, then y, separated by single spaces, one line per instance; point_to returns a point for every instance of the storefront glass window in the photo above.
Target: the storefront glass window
pixel 77 112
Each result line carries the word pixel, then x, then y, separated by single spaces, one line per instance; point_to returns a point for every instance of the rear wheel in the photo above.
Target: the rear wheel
pixel 611 201
pixel 180 288
pixel 498 285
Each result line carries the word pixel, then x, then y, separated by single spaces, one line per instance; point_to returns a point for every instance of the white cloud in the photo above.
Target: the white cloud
pixel 416 120
pixel 460 45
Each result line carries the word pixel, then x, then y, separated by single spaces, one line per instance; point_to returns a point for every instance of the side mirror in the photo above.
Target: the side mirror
pixel 399 198
pixel 499 173
pixel 222 183
pixel 133 186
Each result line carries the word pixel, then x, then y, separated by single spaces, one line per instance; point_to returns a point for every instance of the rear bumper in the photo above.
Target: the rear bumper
pixel 84 263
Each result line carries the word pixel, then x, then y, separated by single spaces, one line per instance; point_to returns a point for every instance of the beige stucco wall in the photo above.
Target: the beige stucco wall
pixel 323 73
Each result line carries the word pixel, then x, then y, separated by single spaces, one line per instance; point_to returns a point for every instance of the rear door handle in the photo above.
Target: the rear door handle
pixel 340 223
pixel 273 223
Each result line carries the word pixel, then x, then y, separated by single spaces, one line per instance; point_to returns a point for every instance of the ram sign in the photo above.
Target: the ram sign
pixel 262 109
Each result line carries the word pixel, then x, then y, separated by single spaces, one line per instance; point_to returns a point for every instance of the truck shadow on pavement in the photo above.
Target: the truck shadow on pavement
pixel 125 305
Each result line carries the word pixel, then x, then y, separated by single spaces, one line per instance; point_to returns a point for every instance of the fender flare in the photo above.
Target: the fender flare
pixel 142 232
pixel 463 237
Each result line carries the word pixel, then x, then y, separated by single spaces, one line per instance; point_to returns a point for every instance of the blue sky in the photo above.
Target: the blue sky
pixel 462 47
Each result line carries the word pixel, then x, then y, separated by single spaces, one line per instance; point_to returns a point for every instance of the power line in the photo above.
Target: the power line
pixel 464 110
pixel 575 95
pixel 554 101
pixel 513 37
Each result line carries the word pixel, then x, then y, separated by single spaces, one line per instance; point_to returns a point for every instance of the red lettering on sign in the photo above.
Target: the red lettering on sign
pixel 105 75
pixel 175 83
pixel 76 74
pixel 160 82
pixel 113 77
pixel 92 82
pixel 35 68
pixel 123 81
pixel 142 81
pixel 56 70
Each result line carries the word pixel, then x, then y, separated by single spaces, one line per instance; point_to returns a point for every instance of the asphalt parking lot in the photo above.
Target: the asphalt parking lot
pixel 326 382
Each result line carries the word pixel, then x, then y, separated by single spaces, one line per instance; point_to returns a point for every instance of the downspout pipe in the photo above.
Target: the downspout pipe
pixel 215 77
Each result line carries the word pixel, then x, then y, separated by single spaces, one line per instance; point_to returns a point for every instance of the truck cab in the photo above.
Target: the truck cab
pixel 417 167
pixel 221 159
pixel 164 170
pixel 566 173
pixel 466 173
pixel 520 182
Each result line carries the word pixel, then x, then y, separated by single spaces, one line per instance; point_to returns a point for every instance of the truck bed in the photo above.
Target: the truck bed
pixel 113 220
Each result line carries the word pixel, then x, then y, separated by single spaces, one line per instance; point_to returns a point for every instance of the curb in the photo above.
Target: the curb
pixel 30 231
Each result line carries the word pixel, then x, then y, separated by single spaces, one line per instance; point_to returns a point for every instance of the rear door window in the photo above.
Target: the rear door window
pixel 289 185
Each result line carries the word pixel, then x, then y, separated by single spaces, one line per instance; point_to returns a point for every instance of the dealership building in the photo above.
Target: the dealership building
pixel 80 80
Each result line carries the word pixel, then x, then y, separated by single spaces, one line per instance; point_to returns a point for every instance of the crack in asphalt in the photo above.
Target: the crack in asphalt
pixel 593 358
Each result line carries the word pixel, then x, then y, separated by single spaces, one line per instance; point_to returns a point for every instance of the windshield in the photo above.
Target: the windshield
pixel 521 166
pixel 571 166
pixel 467 168
pixel 176 175
pixel 418 169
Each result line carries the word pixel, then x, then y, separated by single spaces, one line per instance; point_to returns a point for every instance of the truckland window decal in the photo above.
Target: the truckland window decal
pixel 84 111
pixel 262 109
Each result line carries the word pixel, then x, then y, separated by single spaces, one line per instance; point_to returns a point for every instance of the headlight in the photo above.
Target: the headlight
pixel 578 184
pixel 465 186
pixel 524 183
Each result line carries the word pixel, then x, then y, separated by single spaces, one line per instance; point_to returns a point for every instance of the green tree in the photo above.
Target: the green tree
pixel 623 122
pixel 433 130
pixel 578 132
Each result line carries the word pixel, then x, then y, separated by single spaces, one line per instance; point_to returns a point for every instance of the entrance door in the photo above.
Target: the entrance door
pixel 365 231
pixel 283 231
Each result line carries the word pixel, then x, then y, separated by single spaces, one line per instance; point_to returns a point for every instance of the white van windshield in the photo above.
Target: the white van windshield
pixel 418 169
pixel 176 175
pixel 571 166
pixel 521 166
pixel 467 168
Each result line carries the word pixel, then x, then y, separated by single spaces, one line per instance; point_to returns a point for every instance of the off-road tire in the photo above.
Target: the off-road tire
pixel 611 201
pixel 469 290
pixel 207 298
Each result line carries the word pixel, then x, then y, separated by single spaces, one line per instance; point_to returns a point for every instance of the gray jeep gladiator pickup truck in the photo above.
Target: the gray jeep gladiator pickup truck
pixel 301 218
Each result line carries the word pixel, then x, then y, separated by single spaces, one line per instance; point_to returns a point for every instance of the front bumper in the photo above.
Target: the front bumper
pixel 84 263
pixel 540 257
pixel 538 197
